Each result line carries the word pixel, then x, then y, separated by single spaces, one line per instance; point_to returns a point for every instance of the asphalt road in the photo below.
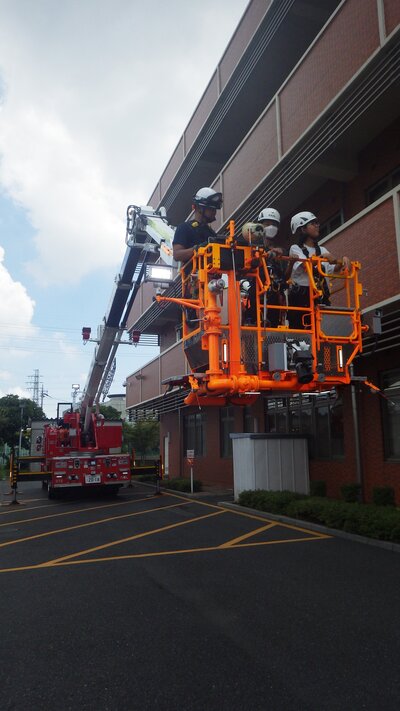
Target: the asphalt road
pixel 145 602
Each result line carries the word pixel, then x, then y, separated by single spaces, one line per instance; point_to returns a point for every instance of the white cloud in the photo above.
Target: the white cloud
pixel 97 95
pixel 16 307
pixel 94 97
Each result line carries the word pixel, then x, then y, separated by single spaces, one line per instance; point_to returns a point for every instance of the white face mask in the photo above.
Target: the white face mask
pixel 270 231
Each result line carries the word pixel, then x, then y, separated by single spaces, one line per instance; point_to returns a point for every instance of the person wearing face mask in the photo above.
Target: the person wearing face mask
pixel 305 227
pixel 270 219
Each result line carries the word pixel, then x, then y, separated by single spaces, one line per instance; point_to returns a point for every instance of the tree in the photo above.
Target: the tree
pixel 143 436
pixel 15 413
pixel 109 412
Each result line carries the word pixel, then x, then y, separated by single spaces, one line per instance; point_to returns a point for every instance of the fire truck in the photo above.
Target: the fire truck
pixel 80 449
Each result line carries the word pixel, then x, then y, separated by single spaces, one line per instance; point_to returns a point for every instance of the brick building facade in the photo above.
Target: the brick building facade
pixel 302 112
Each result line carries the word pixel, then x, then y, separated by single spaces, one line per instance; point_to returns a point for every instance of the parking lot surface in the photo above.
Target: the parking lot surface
pixel 172 602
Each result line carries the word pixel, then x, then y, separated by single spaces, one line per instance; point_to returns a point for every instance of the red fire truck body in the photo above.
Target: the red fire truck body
pixel 75 459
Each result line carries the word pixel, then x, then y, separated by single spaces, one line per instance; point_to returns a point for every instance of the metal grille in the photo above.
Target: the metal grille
pixel 152 409
pixel 249 351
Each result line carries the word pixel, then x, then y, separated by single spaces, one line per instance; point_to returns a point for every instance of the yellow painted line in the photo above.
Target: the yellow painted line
pixel 255 517
pixel 30 508
pixel 157 554
pixel 85 525
pixel 288 540
pixel 234 541
pixel 74 511
pixel 134 537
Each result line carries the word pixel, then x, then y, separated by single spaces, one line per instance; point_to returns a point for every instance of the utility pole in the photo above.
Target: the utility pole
pixel 21 407
pixel 43 394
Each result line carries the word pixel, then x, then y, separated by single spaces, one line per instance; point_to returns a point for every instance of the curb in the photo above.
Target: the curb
pixel 335 532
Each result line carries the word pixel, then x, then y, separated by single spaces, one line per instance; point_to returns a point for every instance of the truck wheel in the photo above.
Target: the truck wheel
pixel 50 492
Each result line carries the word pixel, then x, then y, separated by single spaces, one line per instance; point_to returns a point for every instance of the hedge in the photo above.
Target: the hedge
pixel 181 484
pixel 381 522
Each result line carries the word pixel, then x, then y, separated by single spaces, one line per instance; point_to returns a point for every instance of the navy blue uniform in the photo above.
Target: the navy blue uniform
pixel 191 234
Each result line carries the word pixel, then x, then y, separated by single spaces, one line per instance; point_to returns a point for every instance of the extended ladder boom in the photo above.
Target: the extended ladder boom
pixel 148 238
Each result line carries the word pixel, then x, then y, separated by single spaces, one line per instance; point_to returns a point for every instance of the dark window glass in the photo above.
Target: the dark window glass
pixel 194 433
pixel 281 422
pixel 226 426
pixel 320 417
pixel 294 421
pixel 387 183
pixel 249 421
pixel 322 432
pixel 270 423
pixel 391 414
pixel 332 224
pixel 337 434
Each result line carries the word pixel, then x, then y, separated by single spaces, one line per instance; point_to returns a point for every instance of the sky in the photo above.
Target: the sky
pixel 94 96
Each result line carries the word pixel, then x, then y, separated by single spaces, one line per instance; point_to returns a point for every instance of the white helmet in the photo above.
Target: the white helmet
pixel 207 197
pixel 269 214
pixel 300 220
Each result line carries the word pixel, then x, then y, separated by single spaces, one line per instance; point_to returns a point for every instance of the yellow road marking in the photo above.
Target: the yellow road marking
pixel 74 511
pixel 30 508
pixel 290 540
pixel 134 537
pixel 234 541
pixel 84 525
pixel 65 563
pixel 290 526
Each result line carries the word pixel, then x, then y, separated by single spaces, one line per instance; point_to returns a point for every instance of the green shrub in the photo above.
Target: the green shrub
pixel 351 492
pixel 273 501
pixel 381 522
pixel 181 484
pixel 383 496
pixel 317 488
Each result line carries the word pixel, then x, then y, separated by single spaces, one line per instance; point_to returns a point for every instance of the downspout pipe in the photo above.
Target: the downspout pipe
pixel 356 425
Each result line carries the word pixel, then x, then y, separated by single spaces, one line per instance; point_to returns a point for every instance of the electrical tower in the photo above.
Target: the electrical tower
pixel 33 385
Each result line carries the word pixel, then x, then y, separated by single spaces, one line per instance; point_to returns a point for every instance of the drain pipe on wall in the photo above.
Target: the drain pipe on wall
pixel 356 424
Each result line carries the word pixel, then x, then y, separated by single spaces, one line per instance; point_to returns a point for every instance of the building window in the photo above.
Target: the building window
pixel 391 414
pixel 383 186
pixel 194 433
pixel 331 225
pixel 226 426
pixel 249 421
pixel 320 417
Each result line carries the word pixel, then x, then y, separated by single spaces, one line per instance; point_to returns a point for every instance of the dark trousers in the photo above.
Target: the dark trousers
pixel 298 296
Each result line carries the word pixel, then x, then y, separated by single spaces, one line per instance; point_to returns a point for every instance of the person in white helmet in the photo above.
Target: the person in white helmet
pixel 270 219
pixel 305 227
pixel 189 235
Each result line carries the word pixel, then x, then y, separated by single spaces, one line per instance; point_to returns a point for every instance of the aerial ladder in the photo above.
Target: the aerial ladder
pixel 80 448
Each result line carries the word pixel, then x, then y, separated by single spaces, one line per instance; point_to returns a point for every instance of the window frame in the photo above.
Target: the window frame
pixel 226 417
pixel 194 433
pixel 308 411
pixel 393 395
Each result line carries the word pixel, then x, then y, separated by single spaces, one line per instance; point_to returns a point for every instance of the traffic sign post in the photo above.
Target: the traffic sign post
pixel 190 460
